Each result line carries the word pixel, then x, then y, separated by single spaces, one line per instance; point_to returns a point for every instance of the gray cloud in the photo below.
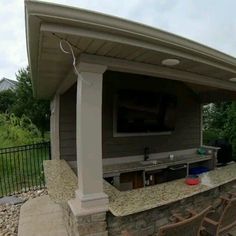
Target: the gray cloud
pixel 209 22
pixel 12 38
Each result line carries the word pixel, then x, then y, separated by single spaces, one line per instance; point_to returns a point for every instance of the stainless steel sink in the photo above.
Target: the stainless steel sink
pixel 150 162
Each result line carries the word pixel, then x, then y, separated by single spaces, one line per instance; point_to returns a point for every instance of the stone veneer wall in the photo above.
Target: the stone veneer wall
pixel 148 222
pixel 145 223
pixel 88 225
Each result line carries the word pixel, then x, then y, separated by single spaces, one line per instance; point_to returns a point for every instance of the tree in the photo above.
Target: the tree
pixel 7 99
pixel 37 110
pixel 220 123
pixel 214 116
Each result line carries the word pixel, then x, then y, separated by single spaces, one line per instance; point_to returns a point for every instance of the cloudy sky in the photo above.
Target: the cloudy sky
pixel 211 22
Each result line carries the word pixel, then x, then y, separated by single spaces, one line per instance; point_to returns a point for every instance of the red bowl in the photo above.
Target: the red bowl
pixel 192 180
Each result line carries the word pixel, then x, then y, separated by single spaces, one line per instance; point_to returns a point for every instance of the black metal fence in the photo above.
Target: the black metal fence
pixel 21 168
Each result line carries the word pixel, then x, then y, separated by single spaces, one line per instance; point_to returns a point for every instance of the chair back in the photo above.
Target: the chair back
pixel 187 227
pixel 228 217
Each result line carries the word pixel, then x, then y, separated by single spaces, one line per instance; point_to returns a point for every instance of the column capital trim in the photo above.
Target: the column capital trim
pixel 91 67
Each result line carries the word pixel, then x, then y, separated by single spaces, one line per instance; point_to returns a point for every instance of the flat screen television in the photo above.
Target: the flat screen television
pixel 144 112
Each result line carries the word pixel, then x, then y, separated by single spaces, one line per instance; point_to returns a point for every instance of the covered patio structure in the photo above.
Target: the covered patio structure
pixel 110 55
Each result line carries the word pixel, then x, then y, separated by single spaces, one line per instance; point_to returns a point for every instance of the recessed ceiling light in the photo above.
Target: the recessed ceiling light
pixel 233 79
pixel 170 62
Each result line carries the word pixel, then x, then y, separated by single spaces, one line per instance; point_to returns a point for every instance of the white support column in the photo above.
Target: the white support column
pixel 90 197
pixel 54 127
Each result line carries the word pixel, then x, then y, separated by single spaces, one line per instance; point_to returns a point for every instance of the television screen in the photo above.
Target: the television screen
pixel 144 112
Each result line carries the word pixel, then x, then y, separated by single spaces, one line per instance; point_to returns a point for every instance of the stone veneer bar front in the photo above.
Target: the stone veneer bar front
pixel 144 209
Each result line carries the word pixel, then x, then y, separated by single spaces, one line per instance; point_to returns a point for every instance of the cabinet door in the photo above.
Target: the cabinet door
pixel 177 172
pixel 131 180
pixel 156 177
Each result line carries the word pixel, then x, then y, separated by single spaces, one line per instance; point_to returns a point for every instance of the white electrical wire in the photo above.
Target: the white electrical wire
pixel 74 59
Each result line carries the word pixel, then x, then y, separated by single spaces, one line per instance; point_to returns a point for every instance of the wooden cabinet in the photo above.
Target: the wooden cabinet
pixel 165 175
pixel 177 172
pixel 155 177
pixel 131 180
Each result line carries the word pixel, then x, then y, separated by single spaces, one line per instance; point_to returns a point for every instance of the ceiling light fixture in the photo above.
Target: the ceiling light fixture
pixel 170 62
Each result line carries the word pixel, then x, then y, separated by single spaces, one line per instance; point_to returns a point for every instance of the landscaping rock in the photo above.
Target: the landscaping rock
pixel 10 211
pixel 11 200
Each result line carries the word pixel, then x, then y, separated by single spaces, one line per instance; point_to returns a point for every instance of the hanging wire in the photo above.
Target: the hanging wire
pixel 61 38
pixel 71 52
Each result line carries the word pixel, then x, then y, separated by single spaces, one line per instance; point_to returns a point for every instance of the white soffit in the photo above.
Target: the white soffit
pixel 96 34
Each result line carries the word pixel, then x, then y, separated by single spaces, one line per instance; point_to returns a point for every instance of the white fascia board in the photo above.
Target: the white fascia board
pixel 32 43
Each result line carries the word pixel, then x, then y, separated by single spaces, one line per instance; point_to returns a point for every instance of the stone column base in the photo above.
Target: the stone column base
pixel 86 215
pixel 86 225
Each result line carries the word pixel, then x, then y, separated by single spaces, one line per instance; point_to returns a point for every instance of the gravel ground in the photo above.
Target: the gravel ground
pixel 9 214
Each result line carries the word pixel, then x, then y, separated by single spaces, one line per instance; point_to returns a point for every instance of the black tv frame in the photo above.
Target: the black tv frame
pixel 163 99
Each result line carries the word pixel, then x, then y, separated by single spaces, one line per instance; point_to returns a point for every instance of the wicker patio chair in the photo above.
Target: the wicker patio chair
pixel 221 220
pixel 185 227
pixel 182 226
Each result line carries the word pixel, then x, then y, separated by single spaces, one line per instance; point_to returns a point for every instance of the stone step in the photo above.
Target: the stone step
pixel 41 217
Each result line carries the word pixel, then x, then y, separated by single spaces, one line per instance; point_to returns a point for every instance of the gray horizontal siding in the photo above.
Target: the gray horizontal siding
pixel 185 136
pixel 68 125
pixel 187 131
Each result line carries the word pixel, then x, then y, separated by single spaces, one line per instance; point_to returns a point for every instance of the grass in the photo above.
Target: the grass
pixel 21 168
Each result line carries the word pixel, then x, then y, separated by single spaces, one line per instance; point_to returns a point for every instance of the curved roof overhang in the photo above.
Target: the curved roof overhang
pixel 120 44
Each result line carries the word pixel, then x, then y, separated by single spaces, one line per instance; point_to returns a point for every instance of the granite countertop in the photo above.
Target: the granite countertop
pixel 161 164
pixel 62 183
pixel 60 180
pixel 137 200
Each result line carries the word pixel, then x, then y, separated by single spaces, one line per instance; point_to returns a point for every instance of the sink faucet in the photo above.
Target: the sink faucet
pixel 146 153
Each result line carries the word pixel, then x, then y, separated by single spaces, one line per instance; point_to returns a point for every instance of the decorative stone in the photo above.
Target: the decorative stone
pixel 99 217
pixel 149 230
pixel 10 211
pixel 87 229
pixel 83 219
pixel 161 222
pixel 87 225
pixel 141 224
pixel 100 234
pixel 11 200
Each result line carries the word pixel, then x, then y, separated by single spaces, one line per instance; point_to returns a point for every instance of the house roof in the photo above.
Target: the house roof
pixel 6 84
pixel 121 44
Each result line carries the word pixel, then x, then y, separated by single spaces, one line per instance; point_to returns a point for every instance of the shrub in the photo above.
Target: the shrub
pixel 17 131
